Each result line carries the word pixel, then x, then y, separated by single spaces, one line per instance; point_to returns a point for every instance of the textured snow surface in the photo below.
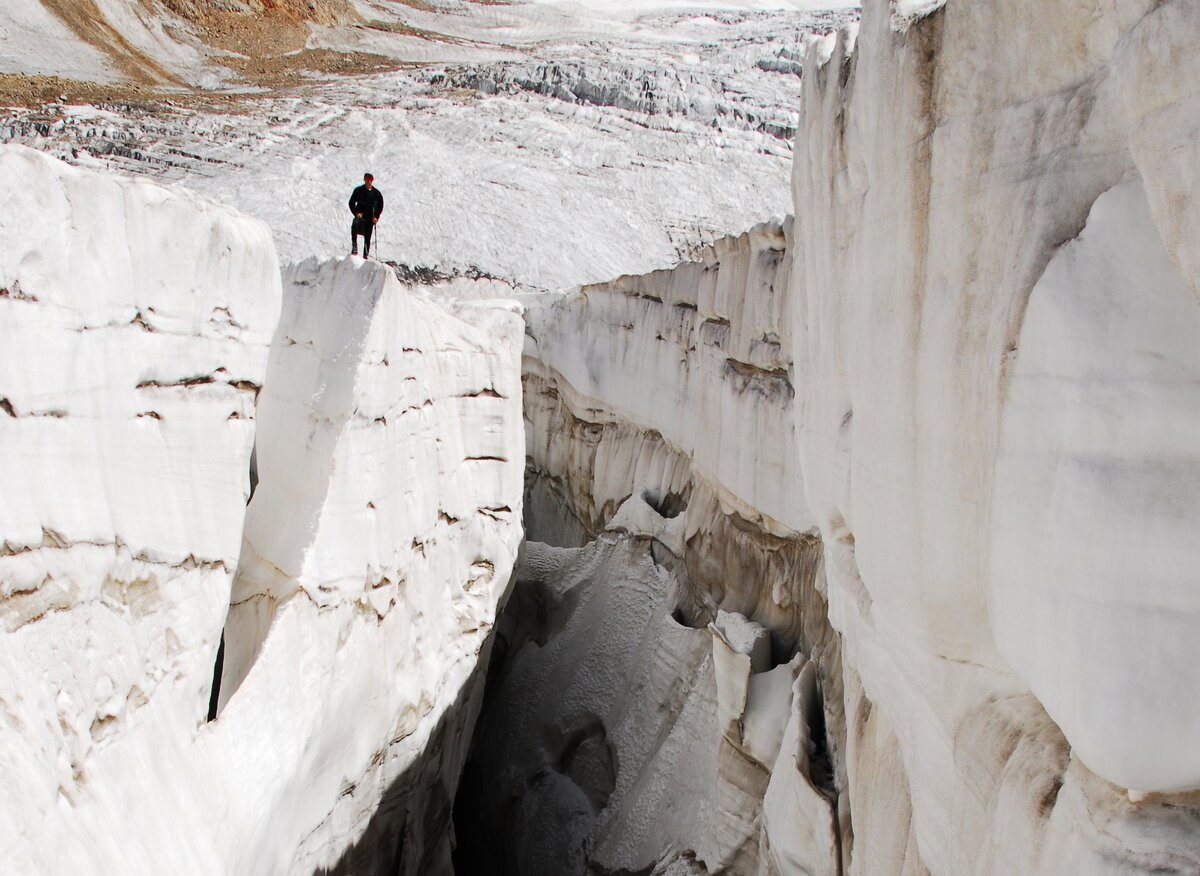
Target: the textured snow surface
pixel 135 333
pixel 601 148
pixel 709 331
pixel 377 546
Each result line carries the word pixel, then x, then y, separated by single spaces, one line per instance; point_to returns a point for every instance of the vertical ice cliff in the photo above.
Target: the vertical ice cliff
pixel 995 323
pixel 678 352
pixel 134 338
pixel 139 325
pixel 377 546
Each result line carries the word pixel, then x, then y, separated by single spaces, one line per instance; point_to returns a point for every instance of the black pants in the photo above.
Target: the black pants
pixel 366 228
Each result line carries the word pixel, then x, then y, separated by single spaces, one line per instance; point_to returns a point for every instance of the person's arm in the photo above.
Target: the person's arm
pixel 351 202
pixel 378 204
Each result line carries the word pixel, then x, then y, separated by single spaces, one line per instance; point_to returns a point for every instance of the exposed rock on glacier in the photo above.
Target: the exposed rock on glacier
pixel 995 321
pixel 376 548
pixel 156 42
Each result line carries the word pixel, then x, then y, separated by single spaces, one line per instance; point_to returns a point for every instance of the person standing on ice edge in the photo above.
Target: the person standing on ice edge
pixel 366 203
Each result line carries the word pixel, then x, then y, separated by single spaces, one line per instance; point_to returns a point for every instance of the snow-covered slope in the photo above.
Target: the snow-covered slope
pixel 373 555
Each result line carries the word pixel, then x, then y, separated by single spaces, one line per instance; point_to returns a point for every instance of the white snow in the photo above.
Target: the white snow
pixel 997 431
pixel 994 430
pixel 377 546
pixel 710 331
pixel 664 134
pixel 135 324
pixel 135 331
pixel 379 539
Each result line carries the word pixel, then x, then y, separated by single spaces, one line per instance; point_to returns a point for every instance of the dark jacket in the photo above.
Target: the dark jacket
pixel 369 202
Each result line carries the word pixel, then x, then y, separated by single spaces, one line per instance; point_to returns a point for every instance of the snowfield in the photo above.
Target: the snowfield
pixel 619 150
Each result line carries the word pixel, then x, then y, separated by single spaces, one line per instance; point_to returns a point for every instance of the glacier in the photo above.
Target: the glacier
pixel 623 524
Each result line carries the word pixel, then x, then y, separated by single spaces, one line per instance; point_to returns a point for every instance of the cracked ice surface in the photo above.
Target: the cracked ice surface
pixel 623 145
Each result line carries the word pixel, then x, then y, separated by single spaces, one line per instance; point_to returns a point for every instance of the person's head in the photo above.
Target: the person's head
pixel 368 180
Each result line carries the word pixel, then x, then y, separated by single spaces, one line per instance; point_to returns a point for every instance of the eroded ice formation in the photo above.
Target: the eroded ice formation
pixel 641 707
pixel 945 449
pixel 994 320
pixel 139 325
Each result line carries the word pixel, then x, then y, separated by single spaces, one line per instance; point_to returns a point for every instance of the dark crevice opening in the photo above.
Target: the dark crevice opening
pixel 667 504
pixel 821 769
pixel 214 696
pixel 218 667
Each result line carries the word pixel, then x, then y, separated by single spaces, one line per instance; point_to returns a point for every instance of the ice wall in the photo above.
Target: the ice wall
pixel 139 325
pixel 995 319
pixel 134 334
pixel 675 387
pixel 945 450
pixel 642 703
pixel 709 332
pixel 377 548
